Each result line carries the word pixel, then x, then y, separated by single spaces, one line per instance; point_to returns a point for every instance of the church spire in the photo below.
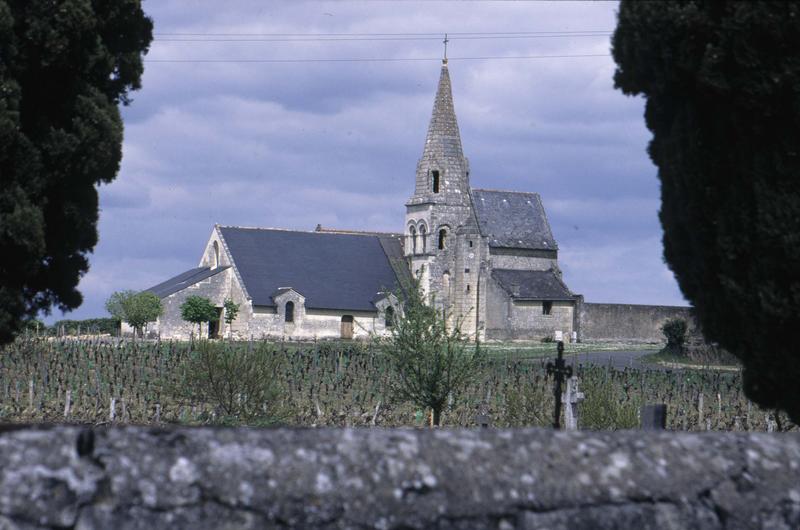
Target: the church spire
pixel 444 138
pixel 443 171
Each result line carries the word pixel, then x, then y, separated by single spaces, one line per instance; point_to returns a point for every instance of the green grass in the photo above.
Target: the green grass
pixel 541 350
pixel 672 360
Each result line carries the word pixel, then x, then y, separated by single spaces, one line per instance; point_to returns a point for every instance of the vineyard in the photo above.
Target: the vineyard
pixel 347 384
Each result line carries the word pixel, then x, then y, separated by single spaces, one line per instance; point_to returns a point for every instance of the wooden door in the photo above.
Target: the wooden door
pixel 347 326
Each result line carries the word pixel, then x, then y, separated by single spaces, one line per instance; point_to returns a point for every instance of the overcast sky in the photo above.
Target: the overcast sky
pixel 293 144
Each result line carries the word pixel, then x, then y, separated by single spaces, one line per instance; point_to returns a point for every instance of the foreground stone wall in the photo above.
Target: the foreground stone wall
pixel 147 478
pixel 626 322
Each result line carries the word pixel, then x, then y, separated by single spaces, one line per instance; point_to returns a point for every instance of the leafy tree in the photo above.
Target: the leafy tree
pixel 137 309
pixel 720 80
pixel 197 309
pixel 115 304
pixel 431 359
pixel 231 312
pixel 142 308
pixel 34 325
pixel 65 66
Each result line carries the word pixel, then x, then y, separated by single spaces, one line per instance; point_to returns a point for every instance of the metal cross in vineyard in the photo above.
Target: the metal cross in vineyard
pixel 560 372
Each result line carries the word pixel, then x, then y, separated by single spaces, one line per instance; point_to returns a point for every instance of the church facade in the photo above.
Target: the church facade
pixel 487 258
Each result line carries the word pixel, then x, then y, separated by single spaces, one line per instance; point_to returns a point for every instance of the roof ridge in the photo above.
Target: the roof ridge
pixel 320 232
pixel 506 191
pixel 324 230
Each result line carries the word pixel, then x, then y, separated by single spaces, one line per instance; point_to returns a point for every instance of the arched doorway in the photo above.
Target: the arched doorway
pixel 347 327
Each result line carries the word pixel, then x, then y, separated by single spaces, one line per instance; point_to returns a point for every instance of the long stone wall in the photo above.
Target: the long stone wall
pixel 147 478
pixel 626 322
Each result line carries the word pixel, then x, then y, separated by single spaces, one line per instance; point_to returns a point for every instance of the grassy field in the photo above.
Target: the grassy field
pixel 346 384
pixel 671 360
pixel 536 350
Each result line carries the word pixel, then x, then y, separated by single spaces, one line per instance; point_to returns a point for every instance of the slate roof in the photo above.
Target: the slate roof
pixel 331 270
pixel 444 138
pixel 532 285
pixel 393 248
pixel 184 280
pixel 512 219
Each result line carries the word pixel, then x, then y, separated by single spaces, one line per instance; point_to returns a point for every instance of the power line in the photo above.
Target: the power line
pixel 377 59
pixel 344 39
pixel 433 35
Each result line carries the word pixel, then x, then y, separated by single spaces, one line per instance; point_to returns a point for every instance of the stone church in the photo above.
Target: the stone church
pixel 487 256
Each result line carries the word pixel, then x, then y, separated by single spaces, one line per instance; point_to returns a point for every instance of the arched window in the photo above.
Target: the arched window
pixel 422 233
pixel 435 181
pixel 289 312
pixel 442 238
pixel 413 235
pixel 215 263
pixel 389 317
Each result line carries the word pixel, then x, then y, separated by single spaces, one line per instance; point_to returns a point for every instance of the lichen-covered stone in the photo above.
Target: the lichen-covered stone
pixel 137 477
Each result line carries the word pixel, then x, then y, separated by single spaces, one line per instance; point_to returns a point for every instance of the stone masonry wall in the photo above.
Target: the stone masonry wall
pixel 626 322
pixel 503 259
pixel 202 478
pixel 315 324
pixel 171 325
pixel 524 320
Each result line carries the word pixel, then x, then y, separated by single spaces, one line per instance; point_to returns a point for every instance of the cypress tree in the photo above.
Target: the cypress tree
pixel 65 66
pixel 722 87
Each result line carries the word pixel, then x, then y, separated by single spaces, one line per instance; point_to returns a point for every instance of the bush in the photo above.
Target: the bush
pixel 240 384
pixel 528 402
pixel 87 326
pixel 604 408
pixel 674 330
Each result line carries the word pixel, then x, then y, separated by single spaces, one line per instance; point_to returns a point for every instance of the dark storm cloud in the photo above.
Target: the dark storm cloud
pixel 293 145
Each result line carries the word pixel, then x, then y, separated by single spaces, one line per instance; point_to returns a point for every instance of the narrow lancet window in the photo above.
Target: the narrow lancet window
pixel 442 239
pixel 413 235
pixel 389 314
pixel 435 181
pixel 422 233
pixel 289 315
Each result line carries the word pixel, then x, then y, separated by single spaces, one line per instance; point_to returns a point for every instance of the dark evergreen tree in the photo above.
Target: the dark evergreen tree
pixel 65 66
pixel 722 84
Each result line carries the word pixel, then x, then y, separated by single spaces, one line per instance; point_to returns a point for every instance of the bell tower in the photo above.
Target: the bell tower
pixel 441 202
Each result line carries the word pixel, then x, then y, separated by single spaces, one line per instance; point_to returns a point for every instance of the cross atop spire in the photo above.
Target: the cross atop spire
pixel 446 40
